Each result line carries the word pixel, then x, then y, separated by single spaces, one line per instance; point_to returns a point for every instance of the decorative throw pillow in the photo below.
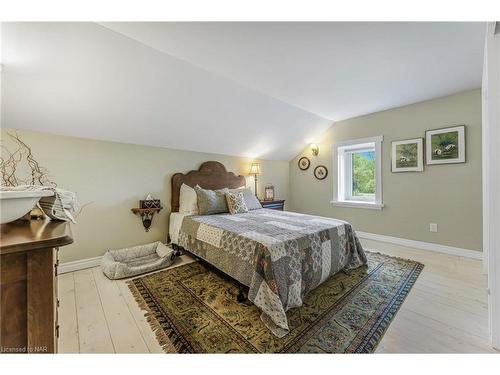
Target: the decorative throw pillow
pixel 188 200
pixel 250 199
pixel 236 203
pixel 211 201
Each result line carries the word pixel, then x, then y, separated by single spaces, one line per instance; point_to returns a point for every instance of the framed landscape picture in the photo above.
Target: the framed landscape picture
pixel 408 155
pixel 445 146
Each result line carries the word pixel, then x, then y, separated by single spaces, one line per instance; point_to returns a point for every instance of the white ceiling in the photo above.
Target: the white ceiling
pixel 261 90
pixel 337 70
pixel 84 80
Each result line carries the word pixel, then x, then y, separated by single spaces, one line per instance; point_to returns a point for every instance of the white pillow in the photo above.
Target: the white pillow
pixel 251 201
pixel 188 200
pixel 163 250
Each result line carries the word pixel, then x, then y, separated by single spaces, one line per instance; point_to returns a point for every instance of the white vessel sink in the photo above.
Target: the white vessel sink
pixel 16 204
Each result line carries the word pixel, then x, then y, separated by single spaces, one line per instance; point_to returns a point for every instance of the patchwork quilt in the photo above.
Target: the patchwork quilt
pixel 279 255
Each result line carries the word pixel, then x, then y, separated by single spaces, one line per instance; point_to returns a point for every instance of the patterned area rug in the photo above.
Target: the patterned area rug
pixel 193 309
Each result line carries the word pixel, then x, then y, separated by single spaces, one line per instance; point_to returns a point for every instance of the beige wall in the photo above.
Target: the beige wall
pixel 114 176
pixel 449 195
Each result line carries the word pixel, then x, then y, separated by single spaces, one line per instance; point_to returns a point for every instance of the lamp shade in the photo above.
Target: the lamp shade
pixel 255 168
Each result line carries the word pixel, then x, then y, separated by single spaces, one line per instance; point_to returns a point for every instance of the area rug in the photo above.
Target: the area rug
pixel 193 309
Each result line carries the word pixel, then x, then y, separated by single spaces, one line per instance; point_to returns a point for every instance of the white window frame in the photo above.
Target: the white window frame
pixel 342 186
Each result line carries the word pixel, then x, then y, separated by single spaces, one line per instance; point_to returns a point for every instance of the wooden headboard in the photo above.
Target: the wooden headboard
pixel 211 175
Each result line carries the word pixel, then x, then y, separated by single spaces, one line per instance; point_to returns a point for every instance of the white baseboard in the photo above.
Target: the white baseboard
pixel 77 265
pixel 94 262
pixel 423 245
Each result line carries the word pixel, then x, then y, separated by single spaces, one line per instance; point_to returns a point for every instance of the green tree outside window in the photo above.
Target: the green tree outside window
pixel 363 173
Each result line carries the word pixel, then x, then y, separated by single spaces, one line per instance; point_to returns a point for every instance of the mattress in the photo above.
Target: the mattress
pixel 174 227
pixel 279 255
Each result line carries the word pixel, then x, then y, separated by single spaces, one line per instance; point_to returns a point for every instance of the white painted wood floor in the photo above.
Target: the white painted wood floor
pixel 445 312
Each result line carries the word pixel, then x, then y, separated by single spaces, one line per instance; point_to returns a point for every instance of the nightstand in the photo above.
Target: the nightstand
pixel 276 204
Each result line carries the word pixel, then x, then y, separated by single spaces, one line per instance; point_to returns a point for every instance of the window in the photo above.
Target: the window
pixel 359 173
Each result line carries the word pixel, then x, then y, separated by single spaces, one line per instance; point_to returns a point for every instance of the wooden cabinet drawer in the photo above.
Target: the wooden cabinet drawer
pixel 29 267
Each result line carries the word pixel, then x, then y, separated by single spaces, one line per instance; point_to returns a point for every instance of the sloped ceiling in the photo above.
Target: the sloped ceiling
pixel 335 69
pixel 260 90
pixel 84 80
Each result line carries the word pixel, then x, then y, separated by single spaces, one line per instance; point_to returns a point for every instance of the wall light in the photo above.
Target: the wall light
pixel 315 149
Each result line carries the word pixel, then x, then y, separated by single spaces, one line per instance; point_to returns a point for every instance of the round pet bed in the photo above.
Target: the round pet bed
pixel 122 263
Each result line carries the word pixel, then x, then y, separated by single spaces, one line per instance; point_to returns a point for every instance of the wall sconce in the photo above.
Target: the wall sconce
pixel 314 149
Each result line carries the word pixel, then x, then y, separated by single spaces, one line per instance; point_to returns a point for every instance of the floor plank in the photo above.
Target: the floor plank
pixel 146 332
pixel 123 329
pixel 448 338
pixel 446 311
pixel 93 331
pixel 68 321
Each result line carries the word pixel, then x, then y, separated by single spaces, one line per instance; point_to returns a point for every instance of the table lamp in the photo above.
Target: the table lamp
pixel 255 171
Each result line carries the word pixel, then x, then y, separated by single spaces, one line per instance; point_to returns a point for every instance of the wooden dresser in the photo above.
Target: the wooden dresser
pixel 277 204
pixel 28 282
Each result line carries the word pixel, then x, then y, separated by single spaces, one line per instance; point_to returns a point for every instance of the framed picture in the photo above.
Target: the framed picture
pixel 320 172
pixel 269 193
pixel 408 155
pixel 445 146
pixel 304 163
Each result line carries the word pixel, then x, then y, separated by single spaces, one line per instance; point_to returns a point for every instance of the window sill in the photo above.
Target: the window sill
pixel 357 204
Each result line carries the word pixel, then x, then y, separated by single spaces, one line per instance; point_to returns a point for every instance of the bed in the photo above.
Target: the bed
pixel 279 255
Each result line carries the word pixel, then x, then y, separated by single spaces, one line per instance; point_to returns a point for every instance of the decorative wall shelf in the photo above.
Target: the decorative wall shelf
pixel 146 215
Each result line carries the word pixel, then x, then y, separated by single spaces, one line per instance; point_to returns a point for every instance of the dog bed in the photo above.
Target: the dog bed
pixel 128 262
